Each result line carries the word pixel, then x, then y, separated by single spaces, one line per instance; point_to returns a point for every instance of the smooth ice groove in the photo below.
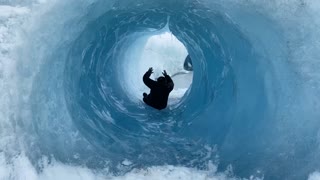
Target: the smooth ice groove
pixel 71 89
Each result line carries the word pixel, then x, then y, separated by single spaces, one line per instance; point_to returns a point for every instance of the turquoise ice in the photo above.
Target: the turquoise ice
pixel 71 89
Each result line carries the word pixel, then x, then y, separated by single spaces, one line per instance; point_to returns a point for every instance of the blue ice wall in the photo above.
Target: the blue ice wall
pixel 252 105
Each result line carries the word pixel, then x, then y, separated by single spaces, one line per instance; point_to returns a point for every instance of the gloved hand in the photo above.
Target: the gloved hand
pixel 164 73
pixel 150 70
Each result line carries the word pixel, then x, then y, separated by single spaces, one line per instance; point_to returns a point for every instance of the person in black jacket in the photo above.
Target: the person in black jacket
pixel 159 90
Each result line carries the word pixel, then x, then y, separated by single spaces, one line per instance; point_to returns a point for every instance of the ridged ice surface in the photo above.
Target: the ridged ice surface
pixel 71 89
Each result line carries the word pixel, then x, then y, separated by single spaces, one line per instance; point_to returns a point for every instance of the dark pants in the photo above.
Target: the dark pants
pixel 145 98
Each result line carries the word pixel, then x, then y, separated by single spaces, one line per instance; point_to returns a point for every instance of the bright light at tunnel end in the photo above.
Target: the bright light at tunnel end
pixel 162 51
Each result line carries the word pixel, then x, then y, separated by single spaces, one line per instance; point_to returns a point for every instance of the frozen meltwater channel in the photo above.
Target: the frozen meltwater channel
pixel 71 89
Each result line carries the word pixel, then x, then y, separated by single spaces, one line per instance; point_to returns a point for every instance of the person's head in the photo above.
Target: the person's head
pixel 161 80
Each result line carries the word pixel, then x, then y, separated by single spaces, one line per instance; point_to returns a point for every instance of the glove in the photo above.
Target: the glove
pixel 164 73
pixel 150 70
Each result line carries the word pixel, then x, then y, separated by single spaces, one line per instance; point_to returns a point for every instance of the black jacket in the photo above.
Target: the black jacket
pixel 159 93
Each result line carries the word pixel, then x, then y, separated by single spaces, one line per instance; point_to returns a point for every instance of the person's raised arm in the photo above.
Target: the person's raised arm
pixel 146 79
pixel 169 80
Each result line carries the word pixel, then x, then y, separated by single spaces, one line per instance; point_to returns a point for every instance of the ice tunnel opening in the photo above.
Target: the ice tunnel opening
pixel 162 51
